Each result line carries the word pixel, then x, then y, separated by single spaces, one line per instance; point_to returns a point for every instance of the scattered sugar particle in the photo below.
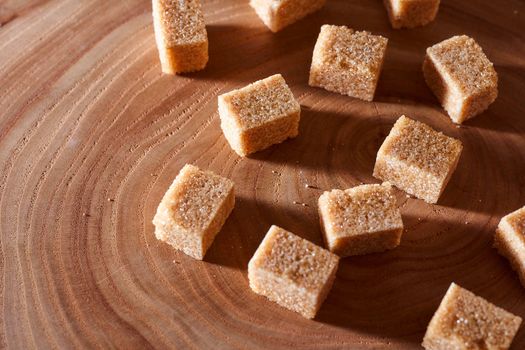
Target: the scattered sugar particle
pixel 311 186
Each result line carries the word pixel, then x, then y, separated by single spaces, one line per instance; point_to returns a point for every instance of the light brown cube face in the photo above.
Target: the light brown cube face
pixel 292 271
pixel 181 35
pixel 417 159
pixel 361 220
pixel 510 241
pixel 347 62
pixel 277 14
pixel 259 115
pixel 411 13
pixel 466 321
pixel 461 76
pixel 193 210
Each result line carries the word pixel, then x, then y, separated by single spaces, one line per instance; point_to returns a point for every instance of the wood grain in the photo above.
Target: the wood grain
pixel 92 134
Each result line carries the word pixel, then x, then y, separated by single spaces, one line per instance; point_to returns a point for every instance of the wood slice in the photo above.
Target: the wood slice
pixel 92 134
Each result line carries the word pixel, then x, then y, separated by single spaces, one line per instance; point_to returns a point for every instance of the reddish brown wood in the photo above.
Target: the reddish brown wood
pixel 91 135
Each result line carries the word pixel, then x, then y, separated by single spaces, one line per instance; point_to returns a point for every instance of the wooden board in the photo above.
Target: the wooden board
pixel 92 134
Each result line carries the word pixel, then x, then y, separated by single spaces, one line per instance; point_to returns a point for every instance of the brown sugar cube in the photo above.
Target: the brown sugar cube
pixel 292 271
pixel 360 220
pixel 411 13
pixel 193 210
pixel 510 241
pixel 181 35
pixel 347 62
pixel 417 159
pixel 461 76
pixel 259 115
pixel 466 321
pixel 277 14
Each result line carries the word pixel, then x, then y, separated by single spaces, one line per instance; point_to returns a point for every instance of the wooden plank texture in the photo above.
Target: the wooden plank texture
pixel 92 134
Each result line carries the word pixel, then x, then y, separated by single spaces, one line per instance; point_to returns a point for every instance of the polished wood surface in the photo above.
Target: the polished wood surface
pixel 92 134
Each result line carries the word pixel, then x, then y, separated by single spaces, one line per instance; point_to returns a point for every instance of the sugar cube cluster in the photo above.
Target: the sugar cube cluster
pixel 414 157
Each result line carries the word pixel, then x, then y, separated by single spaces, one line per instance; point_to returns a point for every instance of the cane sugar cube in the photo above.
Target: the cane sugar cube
pixel 181 35
pixel 277 14
pixel 347 62
pixel 461 76
pixel 193 210
pixel 259 115
pixel 510 241
pixel 292 271
pixel 360 220
pixel 466 321
pixel 417 159
pixel 411 13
